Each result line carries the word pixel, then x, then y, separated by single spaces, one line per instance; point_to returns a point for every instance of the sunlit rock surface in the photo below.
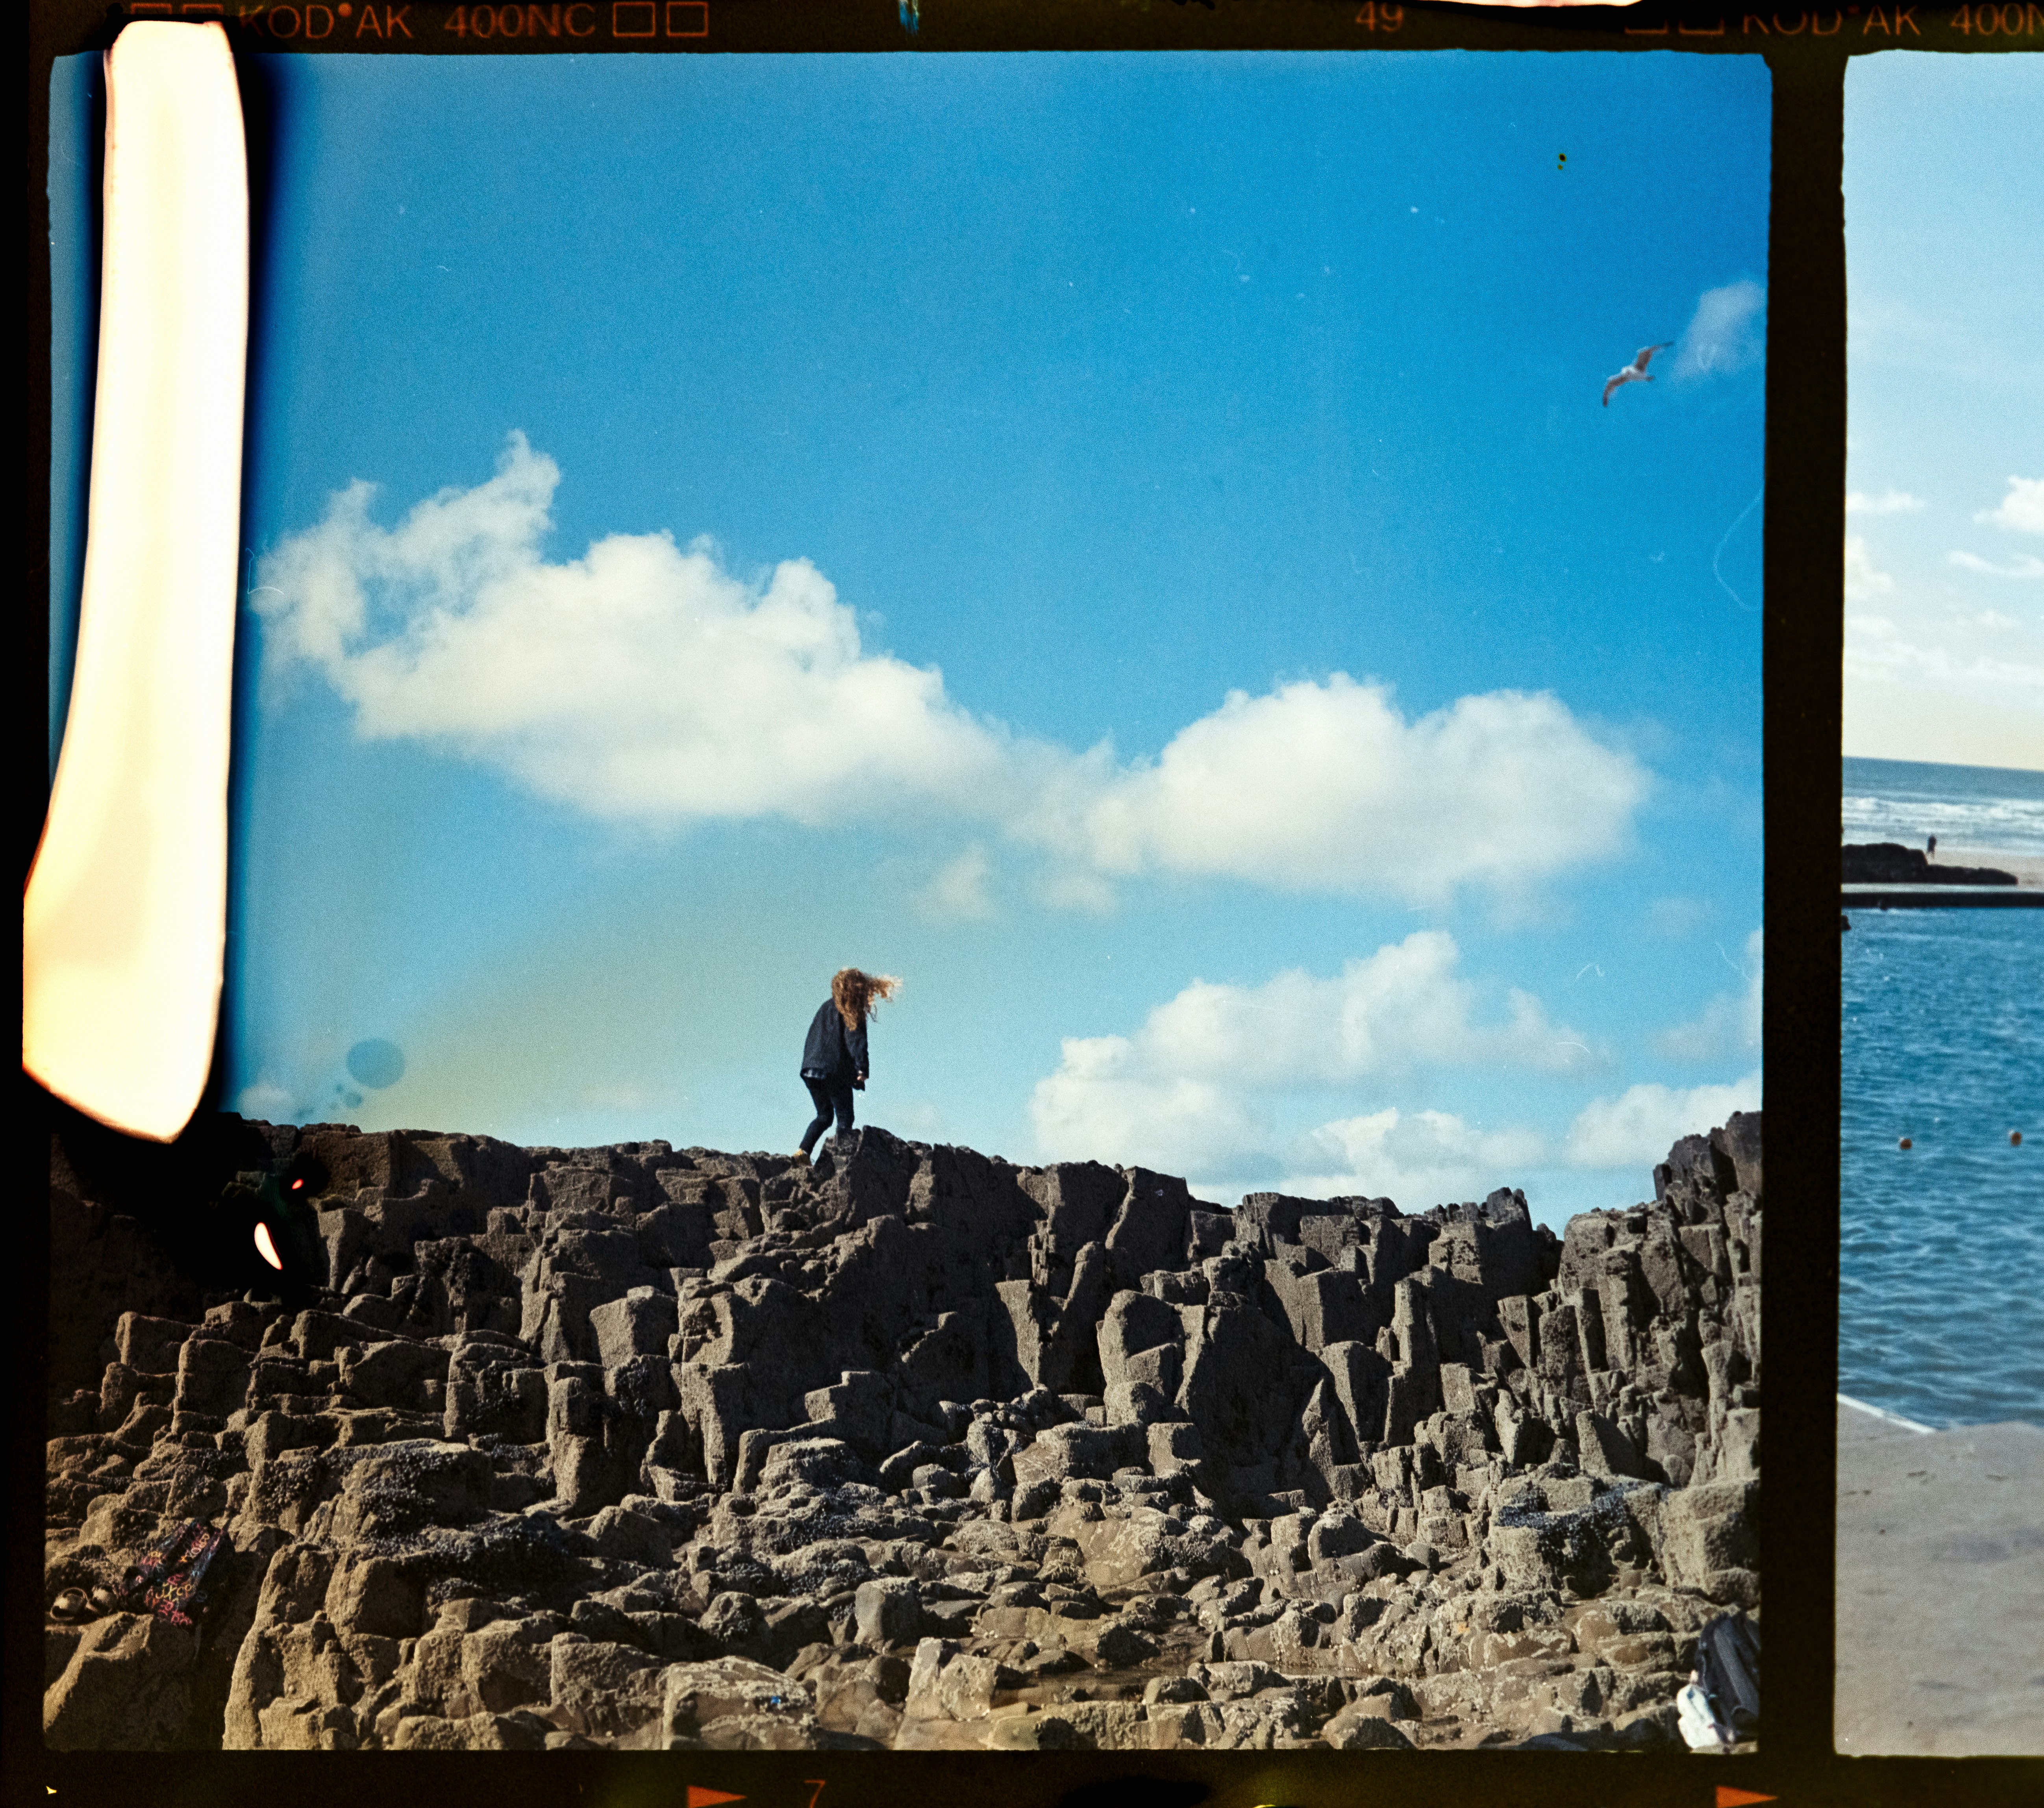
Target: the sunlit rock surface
pixel 654 1449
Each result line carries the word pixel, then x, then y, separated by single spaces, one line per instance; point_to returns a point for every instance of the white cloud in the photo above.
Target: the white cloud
pixel 644 681
pixel 1636 1128
pixel 1181 1092
pixel 1205 1088
pixel 1108 1101
pixel 2022 510
pixel 1878 651
pixel 638 681
pixel 1863 579
pixel 1415 1158
pixel 1404 1006
pixel 1326 787
pixel 266 1102
pixel 1932 672
pixel 2021 565
pixel 1888 502
pixel 1730 1024
pixel 1726 333
pixel 959 893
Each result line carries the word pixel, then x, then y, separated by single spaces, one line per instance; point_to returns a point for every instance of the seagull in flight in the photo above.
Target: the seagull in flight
pixel 1636 370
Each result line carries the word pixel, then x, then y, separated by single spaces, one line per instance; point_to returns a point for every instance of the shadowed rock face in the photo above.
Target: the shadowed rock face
pixel 1890 863
pixel 652 1448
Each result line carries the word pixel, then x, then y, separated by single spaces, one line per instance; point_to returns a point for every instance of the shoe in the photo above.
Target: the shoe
pixel 69 1605
pixel 800 1155
pixel 104 1600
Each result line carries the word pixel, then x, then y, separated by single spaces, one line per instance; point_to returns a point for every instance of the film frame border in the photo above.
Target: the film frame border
pixel 1802 650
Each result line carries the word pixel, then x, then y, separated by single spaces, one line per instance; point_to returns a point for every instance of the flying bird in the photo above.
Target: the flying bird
pixel 1636 370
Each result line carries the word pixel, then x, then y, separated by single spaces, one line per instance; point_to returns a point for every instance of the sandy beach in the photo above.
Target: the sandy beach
pixel 1940 1589
pixel 2029 870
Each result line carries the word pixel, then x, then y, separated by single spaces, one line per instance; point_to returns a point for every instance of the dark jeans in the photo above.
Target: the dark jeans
pixel 831 1095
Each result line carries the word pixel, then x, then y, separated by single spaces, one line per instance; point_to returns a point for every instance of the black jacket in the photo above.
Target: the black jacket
pixel 832 1051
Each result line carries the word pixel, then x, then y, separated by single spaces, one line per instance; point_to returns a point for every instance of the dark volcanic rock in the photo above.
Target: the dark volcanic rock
pixel 642 1447
pixel 1890 863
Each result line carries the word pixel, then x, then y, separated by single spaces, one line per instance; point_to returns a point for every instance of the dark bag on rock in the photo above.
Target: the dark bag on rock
pixel 1728 1671
pixel 170 1581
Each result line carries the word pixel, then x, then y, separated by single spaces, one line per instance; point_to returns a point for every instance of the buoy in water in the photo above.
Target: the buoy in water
pixel 2015 1136
pixel 1903 1144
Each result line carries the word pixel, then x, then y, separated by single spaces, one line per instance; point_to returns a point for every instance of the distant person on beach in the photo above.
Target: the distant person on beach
pixel 1930 852
pixel 835 1061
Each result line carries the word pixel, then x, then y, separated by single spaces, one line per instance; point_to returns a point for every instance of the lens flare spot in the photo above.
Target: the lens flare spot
pixel 267 1249
pixel 376 1064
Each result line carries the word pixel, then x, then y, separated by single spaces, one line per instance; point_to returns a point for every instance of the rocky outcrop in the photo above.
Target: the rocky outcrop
pixel 646 1448
pixel 1890 863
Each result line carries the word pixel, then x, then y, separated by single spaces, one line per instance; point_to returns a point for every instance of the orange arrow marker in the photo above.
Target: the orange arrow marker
pixel 1731 1798
pixel 701 1798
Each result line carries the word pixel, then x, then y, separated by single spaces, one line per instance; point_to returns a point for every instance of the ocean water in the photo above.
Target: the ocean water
pixel 1941 1248
pixel 1941 1256
pixel 1968 806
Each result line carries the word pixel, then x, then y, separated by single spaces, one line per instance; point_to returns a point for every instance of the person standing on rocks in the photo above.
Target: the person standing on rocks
pixel 835 1060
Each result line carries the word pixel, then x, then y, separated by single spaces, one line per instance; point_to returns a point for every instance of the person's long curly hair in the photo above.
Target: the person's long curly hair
pixel 855 993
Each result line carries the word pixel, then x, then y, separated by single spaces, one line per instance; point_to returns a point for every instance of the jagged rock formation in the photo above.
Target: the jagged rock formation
pixel 645 1448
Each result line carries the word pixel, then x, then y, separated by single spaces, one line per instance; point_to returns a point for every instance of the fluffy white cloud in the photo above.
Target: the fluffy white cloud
pixel 1730 1024
pixel 1326 787
pixel 1416 1158
pixel 1863 579
pixel 1204 1087
pixel 643 681
pixel 1183 1091
pixel 1404 1006
pixel 1226 1145
pixel 265 1102
pixel 2022 510
pixel 639 680
pixel 1888 502
pixel 1109 1101
pixel 1636 1128
pixel 1726 333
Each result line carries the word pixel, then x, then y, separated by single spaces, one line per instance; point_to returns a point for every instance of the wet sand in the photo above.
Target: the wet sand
pixel 1940 1589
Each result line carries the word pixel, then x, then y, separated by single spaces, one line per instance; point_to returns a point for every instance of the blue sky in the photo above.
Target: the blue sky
pixel 1130 545
pixel 1945 444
